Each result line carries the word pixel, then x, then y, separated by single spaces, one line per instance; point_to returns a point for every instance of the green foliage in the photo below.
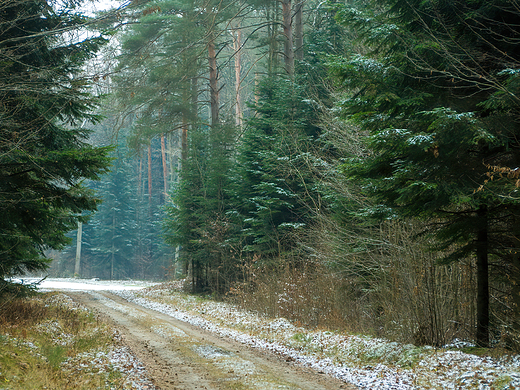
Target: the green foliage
pixel 253 199
pixel 438 124
pixel 197 217
pixel 55 354
pixel 273 185
pixel 111 248
pixel 43 341
pixel 123 239
pixel 43 161
pixel 164 57
pixel 427 155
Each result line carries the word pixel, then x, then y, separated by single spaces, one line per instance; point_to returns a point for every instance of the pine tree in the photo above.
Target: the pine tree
pixel 272 184
pixel 197 218
pixel 45 155
pixel 438 123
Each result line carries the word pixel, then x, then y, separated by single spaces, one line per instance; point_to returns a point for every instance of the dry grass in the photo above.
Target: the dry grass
pixel 39 335
pixel 305 295
pixel 396 290
pixel 374 363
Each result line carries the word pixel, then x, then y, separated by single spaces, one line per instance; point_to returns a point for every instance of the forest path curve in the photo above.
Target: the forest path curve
pixel 181 356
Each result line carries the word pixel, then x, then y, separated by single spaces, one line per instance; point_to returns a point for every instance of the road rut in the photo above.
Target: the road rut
pixel 181 356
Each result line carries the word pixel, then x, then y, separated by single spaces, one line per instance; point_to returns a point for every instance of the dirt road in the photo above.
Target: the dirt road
pixel 180 356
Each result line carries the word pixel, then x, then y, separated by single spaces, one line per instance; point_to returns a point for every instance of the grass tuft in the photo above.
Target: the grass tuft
pixel 40 335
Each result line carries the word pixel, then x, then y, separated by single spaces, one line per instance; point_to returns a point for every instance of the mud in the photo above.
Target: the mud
pixel 180 356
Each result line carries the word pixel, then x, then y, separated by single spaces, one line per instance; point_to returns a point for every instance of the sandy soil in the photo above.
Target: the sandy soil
pixel 180 356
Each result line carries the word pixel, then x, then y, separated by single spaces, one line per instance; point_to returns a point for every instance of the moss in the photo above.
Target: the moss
pixel 302 337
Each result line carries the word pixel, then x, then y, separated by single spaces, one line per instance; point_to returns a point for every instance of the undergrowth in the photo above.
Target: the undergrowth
pixel 339 345
pixel 38 336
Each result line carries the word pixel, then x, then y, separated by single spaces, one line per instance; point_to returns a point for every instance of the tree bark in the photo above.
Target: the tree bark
pixel 287 32
pixel 515 283
pixel 237 42
pixel 213 82
pixel 140 175
pixel 298 31
pixel 482 334
pixel 78 250
pixel 164 165
pixel 150 172
pixel 112 257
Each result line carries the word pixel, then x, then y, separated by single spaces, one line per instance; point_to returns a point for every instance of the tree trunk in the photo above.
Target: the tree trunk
pixel 515 283
pixel 272 15
pixel 139 174
pixel 193 277
pixel 287 32
pixel 514 280
pixel 140 190
pixel 237 42
pixel 298 31
pixel 150 172
pixel 78 250
pixel 112 257
pixel 164 165
pixel 213 82
pixel 257 83
pixel 482 336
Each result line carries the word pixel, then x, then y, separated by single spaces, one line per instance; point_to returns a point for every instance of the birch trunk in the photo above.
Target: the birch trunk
pixel 78 250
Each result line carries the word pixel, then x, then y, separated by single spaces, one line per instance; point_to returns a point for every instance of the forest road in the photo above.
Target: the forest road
pixel 180 356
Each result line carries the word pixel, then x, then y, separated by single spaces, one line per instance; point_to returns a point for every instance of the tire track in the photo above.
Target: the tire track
pixel 180 356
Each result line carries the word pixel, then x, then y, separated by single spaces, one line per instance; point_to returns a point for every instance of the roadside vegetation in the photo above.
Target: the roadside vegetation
pixel 48 342
pixel 351 164
pixel 366 361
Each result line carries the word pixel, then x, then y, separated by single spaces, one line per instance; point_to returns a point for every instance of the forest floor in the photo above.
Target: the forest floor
pixel 187 342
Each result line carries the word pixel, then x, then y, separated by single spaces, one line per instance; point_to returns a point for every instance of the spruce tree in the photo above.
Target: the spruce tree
pixel 113 244
pixel 45 155
pixel 440 124
pixel 198 215
pixel 273 183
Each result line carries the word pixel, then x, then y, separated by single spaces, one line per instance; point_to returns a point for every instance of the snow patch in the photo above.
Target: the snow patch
pixel 353 359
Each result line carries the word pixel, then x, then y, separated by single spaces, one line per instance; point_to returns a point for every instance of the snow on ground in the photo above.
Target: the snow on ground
pixel 115 357
pixel 367 362
pixel 67 284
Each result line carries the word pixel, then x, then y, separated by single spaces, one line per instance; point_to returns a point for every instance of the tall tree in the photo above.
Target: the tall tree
pixel 197 217
pixel 288 36
pixel 113 244
pixel 439 96
pixel 272 185
pixel 45 155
